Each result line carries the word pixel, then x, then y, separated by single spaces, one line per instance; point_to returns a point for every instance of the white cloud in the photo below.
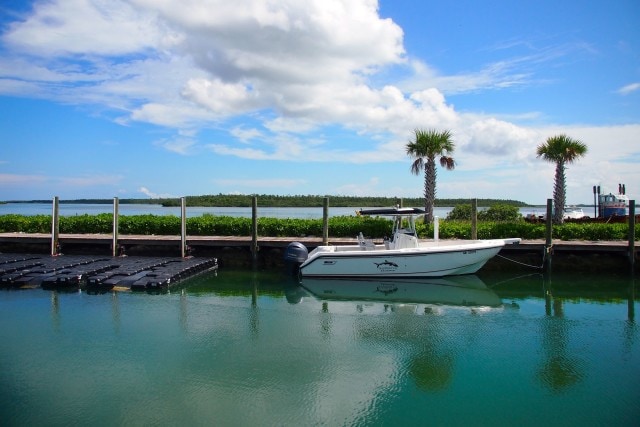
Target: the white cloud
pixel 152 195
pixel 180 145
pixel 244 135
pixel 630 88
pixel 85 27
pixel 297 71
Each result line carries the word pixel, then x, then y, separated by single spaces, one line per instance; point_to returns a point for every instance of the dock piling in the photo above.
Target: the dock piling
pixel 55 226
pixel 183 226
pixel 474 219
pixel 325 221
pixel 632 233
pixel 254 229
pixel 114 242
pixel 548 245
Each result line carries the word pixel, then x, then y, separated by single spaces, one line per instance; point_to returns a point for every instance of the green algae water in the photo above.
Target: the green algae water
pixel 258 348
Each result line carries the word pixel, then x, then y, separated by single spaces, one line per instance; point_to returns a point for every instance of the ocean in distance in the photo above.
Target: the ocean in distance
pixel 70 209
pixel 248 348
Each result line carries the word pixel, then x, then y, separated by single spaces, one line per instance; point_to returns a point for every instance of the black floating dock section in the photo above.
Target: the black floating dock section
pixel 98 274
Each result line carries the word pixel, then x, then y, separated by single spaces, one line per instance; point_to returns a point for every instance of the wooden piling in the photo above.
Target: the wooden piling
pixel 183 226
pixel 548 245
pixel 632 233
pixel 254 229
pixel 114 239
pixel 325 221
pixel 474 219
pixel 55 226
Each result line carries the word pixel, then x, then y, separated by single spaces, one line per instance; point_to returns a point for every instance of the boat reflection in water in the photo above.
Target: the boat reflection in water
pixel 465 291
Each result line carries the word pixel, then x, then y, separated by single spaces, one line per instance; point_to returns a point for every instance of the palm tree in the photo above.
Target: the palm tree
pixel 427 145
pixel 561 150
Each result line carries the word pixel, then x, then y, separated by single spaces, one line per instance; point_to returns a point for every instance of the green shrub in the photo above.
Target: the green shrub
pixel 494 213
pixel 341 226
pixel 460 212
pixel 83 224
pixel 500 213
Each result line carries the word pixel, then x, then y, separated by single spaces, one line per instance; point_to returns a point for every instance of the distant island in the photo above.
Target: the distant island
pixel 303 201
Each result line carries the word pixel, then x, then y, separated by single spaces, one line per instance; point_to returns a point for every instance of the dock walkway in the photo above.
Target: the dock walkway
pixel 281 242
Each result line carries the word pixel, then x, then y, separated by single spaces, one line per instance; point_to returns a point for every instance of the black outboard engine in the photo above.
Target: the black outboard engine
pixel 296 254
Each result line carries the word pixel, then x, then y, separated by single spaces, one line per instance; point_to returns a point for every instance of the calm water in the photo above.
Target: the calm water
pixel 246 348
pixel 69 209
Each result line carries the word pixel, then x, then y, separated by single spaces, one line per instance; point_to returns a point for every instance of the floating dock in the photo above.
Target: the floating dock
pixel 98 274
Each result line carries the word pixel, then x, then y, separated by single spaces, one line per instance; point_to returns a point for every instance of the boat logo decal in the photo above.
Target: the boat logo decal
pixel 386 265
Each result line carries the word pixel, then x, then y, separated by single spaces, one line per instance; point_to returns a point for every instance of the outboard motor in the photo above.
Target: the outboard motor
pixel 296 254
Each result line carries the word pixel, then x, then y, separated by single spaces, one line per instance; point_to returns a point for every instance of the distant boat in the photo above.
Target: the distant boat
pixel 572 212
pixel 613 205
pixel 404 255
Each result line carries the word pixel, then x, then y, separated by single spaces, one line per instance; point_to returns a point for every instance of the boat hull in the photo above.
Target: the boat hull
pixel 429 260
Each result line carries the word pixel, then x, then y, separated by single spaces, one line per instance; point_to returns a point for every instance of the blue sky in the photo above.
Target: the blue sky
pixel 158 98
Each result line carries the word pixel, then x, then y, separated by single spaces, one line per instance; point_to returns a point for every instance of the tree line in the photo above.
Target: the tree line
pixel 311 201
pixel 302 201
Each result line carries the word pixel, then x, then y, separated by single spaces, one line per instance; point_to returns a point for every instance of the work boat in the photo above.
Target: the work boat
pixel 404 255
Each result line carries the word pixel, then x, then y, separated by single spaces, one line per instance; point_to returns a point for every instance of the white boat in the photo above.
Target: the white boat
pixel 572 212
pixel 404 255
pixel 467 291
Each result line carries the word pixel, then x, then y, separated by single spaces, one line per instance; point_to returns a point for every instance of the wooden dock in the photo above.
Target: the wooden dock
pixel 616 246
pixel 311 242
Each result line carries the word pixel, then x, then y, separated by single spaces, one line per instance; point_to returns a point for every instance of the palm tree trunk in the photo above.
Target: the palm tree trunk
pixel 559 194
pixel 429 189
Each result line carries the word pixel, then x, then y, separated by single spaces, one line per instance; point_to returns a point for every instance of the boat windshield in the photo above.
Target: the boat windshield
pixel 404 219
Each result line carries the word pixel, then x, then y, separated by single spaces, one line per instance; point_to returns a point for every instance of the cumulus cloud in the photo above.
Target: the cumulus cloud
pixel 153 195
pixel 287 69
pixel 85 27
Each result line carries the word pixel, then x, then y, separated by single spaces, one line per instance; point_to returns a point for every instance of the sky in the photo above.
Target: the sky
pixel 171 98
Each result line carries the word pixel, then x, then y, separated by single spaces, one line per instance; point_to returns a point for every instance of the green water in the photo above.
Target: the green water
pixel 244 349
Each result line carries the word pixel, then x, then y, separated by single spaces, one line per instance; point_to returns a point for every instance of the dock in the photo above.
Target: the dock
pixel 98 274
pixel 236 250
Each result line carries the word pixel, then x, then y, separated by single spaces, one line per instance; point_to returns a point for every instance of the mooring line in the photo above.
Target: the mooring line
pixel 522 263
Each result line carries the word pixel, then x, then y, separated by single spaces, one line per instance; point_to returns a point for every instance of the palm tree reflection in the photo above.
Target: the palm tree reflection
pixel 560 370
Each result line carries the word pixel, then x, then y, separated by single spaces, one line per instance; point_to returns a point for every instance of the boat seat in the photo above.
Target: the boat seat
pixel 365 244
